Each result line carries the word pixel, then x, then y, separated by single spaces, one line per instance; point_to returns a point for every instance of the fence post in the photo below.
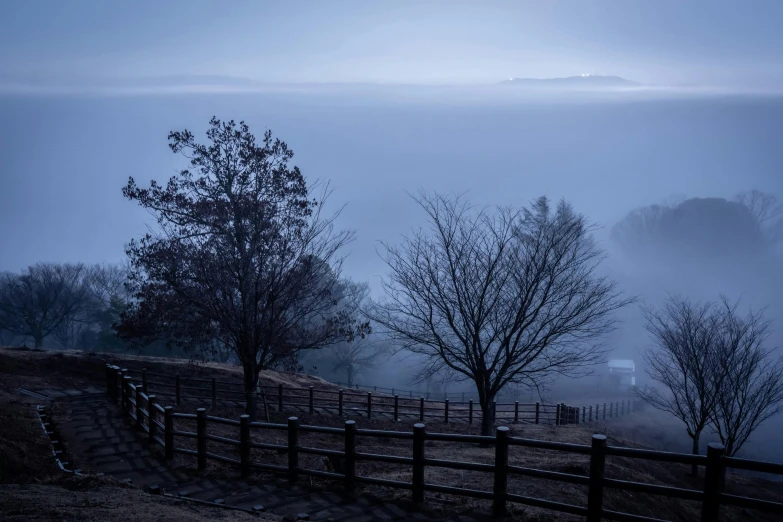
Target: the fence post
pixel 139 415
pixel 446 411
pixel 123 392
pixel 538 411
pixel 340 403
pixel 494 411
pixel 214 391
pixel 421 409
pixel 410 394
pixel 244 445
pixel 117 384
pixel 470 412
pixel 151 417
pixel 178 386
pixel 591 414
pixel 595 494
pixel 611 409
pixel 310 400
pixel 144 379
pixel 604 411
pixel 350 456
pixel 201 438
pixel 500 490
pixel 418 462
pixel 293 449
pixel 396 408
pixel 516 412
pixel 557 414
pixel 713 483
pixel 168 432
pixel 279 397
pixel 108 379
pixel 128 382
pixel 369 405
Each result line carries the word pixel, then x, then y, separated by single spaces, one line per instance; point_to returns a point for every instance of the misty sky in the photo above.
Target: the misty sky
pixel 64 158
pixel 651 41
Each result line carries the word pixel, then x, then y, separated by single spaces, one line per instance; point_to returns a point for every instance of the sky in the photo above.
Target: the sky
pixel 650 41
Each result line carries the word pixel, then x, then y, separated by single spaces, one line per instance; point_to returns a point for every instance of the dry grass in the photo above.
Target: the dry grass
pixel 25 455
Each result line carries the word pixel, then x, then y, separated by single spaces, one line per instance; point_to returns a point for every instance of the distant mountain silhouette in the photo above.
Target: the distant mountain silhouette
pixel 587 81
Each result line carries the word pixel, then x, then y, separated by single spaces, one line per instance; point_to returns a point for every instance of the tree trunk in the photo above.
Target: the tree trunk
pixel 487 417
pixel 38 341
pixel 350 376
pixel 695 468
pixel 250 381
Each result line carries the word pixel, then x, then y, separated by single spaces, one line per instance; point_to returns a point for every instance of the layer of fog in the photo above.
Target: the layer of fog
pixel 65 158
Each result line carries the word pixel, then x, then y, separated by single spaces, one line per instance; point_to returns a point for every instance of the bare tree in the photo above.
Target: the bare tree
pixel 37 301
pixel 641 228
pixel 87 326
pixel 345 357
pixel 498 295
pixel 685 361
pixel 107 281
pixel 767 211
pixel 355 357
pixel 753 386
pixel 239 256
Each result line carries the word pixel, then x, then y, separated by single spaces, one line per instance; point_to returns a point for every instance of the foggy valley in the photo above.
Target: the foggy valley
pixel 393 243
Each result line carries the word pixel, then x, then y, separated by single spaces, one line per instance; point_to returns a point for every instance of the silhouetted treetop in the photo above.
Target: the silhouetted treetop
pixel 696 227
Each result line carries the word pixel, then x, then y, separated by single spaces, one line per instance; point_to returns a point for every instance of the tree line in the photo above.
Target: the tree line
pixel 244 261
pixel 73 304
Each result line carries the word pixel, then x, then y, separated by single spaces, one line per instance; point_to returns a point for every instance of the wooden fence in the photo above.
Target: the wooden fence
pixel 348 402
pixel 547 392
pixel 159 424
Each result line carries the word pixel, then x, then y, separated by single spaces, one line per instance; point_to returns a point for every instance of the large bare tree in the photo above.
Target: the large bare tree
pixel 41 298
pixel 242 254
pixel 752 388
pixel 685 361
pixel 498 295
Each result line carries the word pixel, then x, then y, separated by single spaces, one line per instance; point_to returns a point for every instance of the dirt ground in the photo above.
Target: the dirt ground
pixel 27 469
pixel 32 488
pixel 86 500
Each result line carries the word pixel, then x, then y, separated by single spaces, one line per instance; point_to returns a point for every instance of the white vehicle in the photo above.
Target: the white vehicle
pixel 622 371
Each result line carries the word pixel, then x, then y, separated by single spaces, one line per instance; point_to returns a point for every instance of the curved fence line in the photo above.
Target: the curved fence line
pixel 345 402
pixel 145 411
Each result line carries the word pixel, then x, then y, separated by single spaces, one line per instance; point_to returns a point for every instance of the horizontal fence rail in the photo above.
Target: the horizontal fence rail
pixel 349 402
pixel 159 424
